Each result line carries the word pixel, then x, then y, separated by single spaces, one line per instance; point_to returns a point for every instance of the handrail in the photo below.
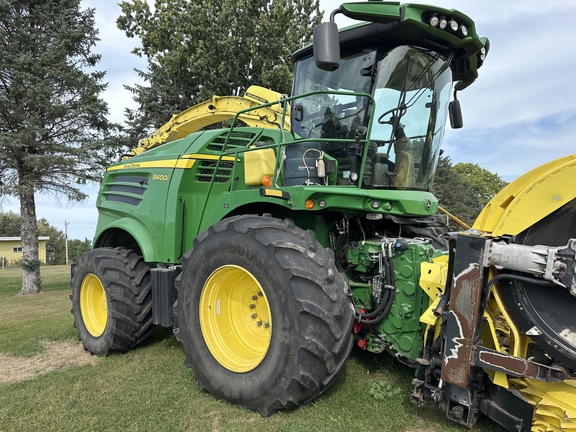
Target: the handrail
pixel 283 102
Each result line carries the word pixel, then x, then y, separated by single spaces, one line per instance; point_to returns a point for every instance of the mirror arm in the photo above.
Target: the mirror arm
pixel 334 13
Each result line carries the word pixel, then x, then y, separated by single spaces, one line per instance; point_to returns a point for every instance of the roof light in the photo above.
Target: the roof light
pixel 434 20
pixel 464 30
pixel 453 25
pixel 443 23
pixel 483 53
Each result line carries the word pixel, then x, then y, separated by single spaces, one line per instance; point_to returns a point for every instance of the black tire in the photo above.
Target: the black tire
pixel 111 300
pixel 310 314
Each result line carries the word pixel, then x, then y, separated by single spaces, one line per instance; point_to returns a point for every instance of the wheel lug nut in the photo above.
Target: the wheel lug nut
pixel 254 297
pixel 252 306
pixel 253 316
pixel 266 325
pixel 259 323
pixel 259 294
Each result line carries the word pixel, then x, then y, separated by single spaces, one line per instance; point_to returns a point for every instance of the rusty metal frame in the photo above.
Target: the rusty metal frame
pixel 463 350
pixel 464 315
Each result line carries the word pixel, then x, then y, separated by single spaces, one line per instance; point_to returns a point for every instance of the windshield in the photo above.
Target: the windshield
pixel 412 94
pixel 411 88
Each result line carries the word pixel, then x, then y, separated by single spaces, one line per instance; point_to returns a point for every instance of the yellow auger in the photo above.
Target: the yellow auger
pixel 218 109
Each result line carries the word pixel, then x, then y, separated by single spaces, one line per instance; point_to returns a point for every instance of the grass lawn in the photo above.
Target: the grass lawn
pixel 149 389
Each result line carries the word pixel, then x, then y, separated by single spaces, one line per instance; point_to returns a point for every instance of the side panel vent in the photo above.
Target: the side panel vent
pixel 206 170
pixel 128 189
pixel 237 139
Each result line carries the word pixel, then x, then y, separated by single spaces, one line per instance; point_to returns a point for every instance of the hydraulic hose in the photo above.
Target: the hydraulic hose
pixel 518 278
pixel 384 300
pixel 383 309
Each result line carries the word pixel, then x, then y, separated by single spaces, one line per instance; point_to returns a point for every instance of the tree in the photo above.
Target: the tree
pixel 206 47
pixel 454 193
pixel 52 120
pixel 78 247
pixel 10 224
pixel 56 245
pixel 484 183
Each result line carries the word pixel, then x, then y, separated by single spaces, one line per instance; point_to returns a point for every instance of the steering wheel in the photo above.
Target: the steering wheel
pixel 390 111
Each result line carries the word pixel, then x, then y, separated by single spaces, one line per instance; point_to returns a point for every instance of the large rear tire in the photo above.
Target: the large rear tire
pixel 111 300
pixel 262 313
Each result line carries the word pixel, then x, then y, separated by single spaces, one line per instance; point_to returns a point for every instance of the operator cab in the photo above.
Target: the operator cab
pixel 410 90
pixel 374 98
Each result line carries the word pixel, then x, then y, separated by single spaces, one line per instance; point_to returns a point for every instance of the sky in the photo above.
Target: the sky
pixel 519 114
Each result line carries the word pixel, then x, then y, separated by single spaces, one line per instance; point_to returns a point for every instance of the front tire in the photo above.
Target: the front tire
pixel 262 313
pixel 111 300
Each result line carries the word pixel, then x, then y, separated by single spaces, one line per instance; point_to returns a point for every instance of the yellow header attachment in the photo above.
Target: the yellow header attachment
pixel 217 109
pixel 529 198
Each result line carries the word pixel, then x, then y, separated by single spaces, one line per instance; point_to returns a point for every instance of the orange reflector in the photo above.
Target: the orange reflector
pixel 266 181
pixel 309 204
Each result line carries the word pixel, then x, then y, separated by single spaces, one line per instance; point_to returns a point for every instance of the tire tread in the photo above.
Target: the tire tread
pixel 126 281
pixel 319 291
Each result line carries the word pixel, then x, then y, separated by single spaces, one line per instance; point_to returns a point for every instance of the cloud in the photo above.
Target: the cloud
pixel 117 58
pixel 519 114
pixel 513 150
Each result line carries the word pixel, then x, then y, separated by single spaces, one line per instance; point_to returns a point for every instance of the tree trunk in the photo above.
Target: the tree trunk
pixel 30 255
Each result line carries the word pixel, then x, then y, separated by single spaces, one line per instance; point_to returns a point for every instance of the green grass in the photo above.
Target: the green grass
pixel 149 389
pixel 53 278
pixel 25 321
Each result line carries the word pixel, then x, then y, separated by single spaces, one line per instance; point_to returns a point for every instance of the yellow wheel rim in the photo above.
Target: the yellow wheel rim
pixel 235 318
pixel 93 305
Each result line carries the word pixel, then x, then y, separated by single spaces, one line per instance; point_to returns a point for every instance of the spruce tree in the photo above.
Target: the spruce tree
pixel 52 119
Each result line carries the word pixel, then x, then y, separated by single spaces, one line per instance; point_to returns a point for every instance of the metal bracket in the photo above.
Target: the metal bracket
pixel 547 262
pixel 518 367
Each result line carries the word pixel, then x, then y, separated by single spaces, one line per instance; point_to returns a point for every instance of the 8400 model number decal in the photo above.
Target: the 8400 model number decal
pixel 162 177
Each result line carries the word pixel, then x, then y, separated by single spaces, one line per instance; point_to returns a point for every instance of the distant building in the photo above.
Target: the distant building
pixel 11 249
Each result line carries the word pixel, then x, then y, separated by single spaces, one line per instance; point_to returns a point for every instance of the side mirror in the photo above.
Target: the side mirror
pixel 455 112
pixel 326 46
